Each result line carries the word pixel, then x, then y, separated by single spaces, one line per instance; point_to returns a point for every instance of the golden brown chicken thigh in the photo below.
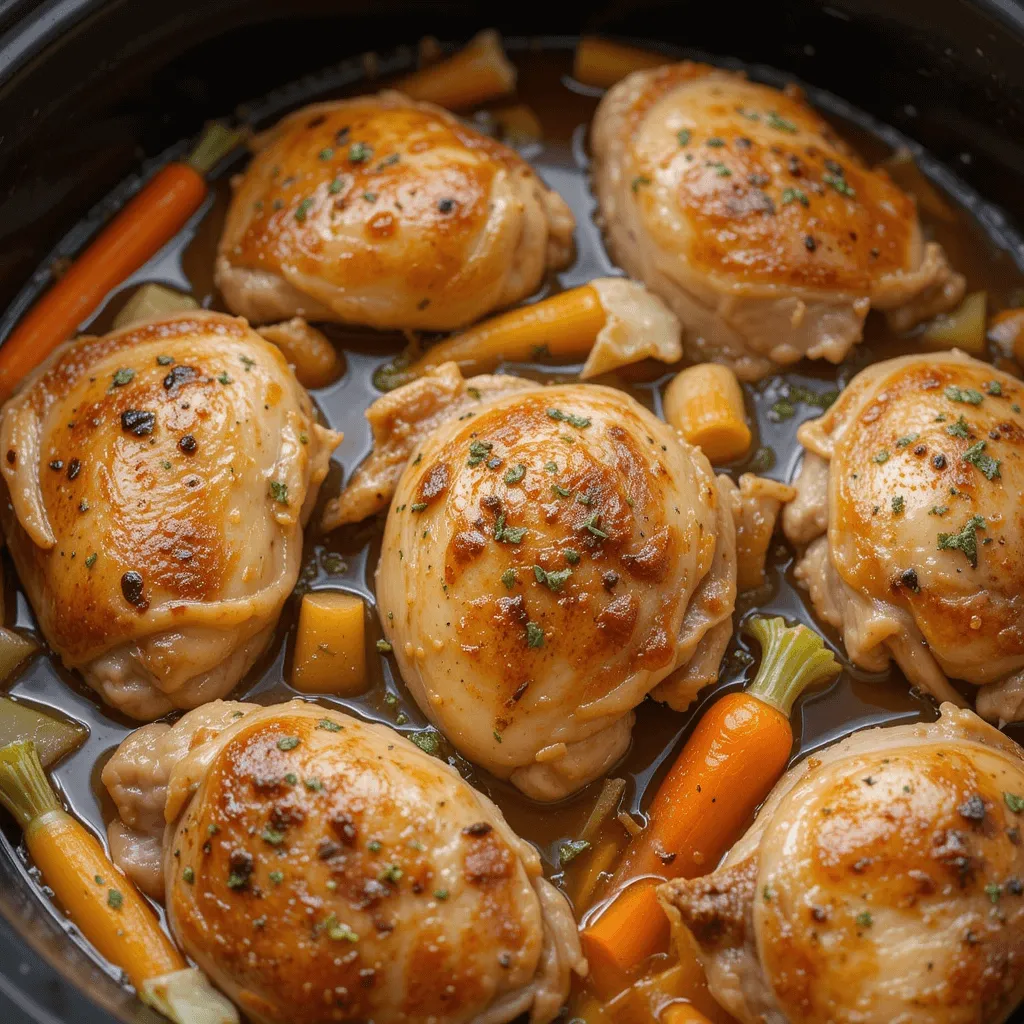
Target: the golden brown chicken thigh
pixel 908 514
pixel 765 234
pixel 389 213
pixel 552 556
pixel 158 481
pixel 882 883
pixel 318 868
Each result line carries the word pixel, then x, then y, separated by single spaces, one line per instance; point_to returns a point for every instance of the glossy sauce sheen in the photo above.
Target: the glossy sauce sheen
pixel 347 558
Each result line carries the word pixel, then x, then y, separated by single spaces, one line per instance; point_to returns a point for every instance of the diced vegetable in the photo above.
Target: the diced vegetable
pixel 151 301
pixel 611 322
pixel 150 219
pixel 1006 332
pixel 602 63
pixel 705 405
pixel 519 124
pixel 480 71
pixel 683 1013
pixel 330 644
pixel 54 737
pixel 14 649
pixel 730 762
pixel 316 361
pixel 903 170
pixel 102 902
pixel 963 328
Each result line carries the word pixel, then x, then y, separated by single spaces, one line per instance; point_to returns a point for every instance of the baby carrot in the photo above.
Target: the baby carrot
pixel 736 754
pixel 106 907
pixel 154 215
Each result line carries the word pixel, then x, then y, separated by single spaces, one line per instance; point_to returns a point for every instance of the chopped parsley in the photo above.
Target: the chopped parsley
pixel 907 440
pixel 780 123
pixel 272 836
pixel 795 195
pixel 302 209
pixel 881 457
pixel 115 899
pixel 478 451
pixel 328 726
pixel 392 873
pixel 993 891
pixel 552 580
pixel 570 850
pixel 562 492
pixel 593 525
pixel 864 919
pixel 515 474
pixel 276 877
pixel 508 534
pixel 839 183
pixel 551 467
pixel 965 541
pixel 326 154
pixel 959 429
pixel 288 742
pixel 571 418
pixel 359 152
pixel 715 142
pixel 279 492
pixel 534 635
pixel 122 377
pixel 684 135
pixel 418 506
pixel 572 556
pixel 428 741
pixel 339 932
pixel 90 560
pixel 638 181
pixel 384 647
pixel 966 395
pixel 993 387
pixel 1014 802
pixel 223 377
pixel 441 894
pixel 938 510
pixel 508 577
pixel 985 464
pixel 898 504
pixel 721 170
pixel 189 876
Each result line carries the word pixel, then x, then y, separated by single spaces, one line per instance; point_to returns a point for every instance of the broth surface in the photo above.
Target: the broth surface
pixel 346 559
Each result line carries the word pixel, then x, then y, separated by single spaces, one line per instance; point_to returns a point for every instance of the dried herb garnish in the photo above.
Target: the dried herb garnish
pixel 478 451
pixel 965 541
pixel 966 395
pixel 552 580
pixel 534 635
pixel 508 534
pixel 985 464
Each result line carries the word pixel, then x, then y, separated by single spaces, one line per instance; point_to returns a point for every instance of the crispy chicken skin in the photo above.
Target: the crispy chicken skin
pixel 319 868
pixel 388 213
pixel 547 562
pixel 766 235
pixel 880 884
pixel 908 513
pixel 158 480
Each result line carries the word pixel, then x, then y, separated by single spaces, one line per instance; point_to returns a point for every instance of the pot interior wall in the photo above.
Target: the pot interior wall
pixel 89 90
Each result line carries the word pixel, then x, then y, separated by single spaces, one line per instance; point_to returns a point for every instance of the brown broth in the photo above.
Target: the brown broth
pixel 346 558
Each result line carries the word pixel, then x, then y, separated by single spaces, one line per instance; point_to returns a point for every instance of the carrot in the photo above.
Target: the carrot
pixel 104 905
pixel 733 758
pixel 683 1013
pixel 147 222
pixel 602 63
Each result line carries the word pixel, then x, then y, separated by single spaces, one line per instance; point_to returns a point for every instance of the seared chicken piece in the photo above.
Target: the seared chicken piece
pixel 320 868
pixel 546 564
pixel 880 884
pixel 766 235
pixel 389 213
pixel 908 508
pixel 159 478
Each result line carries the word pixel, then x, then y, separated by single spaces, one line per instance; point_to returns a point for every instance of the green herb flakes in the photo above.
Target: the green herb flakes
pixel 551 467
pixel 898 504
pixel 938 510
pixel 965 541
pixel 115 899
pixel 384 647
pixel 328 726
pixel 508 577
pixel 639 181
pixel 795 195
pixel 570 850
pixel 428 740
pixel 288 742
pixel 276 877
pixel 593 525
pixel 683 136
pixel 418 506
pixel 272 836
pixel 864 919
pixel 90 560
pixel 554 581
pixel 189 876
pixel 303 209
pixel 966 395
pixel 993 387
pixel 572 556
pixel 882 457
pixel 534 635
pixel 780 123
pixel 359 152
pixel 840 184
pixel 441 894
pixel 508 534
pixel 572 419
pixel 279 492
pixel 122 377
pixel 959 429
pixel 1014 802
pixel 985 464
pixel 907 440
pixel 338 932
pixel 478 451
pixel 515 474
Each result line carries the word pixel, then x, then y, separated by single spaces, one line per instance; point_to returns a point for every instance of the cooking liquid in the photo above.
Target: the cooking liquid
pixel 346 559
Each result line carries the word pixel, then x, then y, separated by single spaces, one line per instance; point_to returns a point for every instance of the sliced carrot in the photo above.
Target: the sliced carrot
pixel 602 63
pixel 479 72
pixel 728 766
pixel 143 226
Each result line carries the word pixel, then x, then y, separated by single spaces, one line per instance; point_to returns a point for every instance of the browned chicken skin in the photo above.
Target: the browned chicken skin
pixel 765 234
pixel 159 478
pixel 321 869
pixel 389 213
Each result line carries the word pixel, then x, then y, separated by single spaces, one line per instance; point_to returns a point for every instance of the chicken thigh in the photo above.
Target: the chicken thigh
pixel 765 234
pixel 389 213
pixel 907 511
pixel 880 884
pixel 319 868
pixel 158 481
pixel 548 561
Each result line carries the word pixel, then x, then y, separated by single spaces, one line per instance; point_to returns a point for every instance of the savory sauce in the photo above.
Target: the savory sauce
pixel 346 559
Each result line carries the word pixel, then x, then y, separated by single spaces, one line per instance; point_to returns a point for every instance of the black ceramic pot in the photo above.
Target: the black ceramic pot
pixel 90 88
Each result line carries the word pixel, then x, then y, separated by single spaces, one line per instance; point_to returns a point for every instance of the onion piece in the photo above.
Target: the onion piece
pixel 963 328
pixel 54 737
pixel 14 649
pixel 607 805
pixel 629 823
pixel 151 301
pixel 904 171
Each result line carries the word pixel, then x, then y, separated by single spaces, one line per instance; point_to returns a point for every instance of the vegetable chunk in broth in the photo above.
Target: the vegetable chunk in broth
pixel 581 839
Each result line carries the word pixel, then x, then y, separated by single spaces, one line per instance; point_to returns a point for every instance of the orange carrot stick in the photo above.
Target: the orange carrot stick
pixel 734 757
pixel 106 907
pixel 154 215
